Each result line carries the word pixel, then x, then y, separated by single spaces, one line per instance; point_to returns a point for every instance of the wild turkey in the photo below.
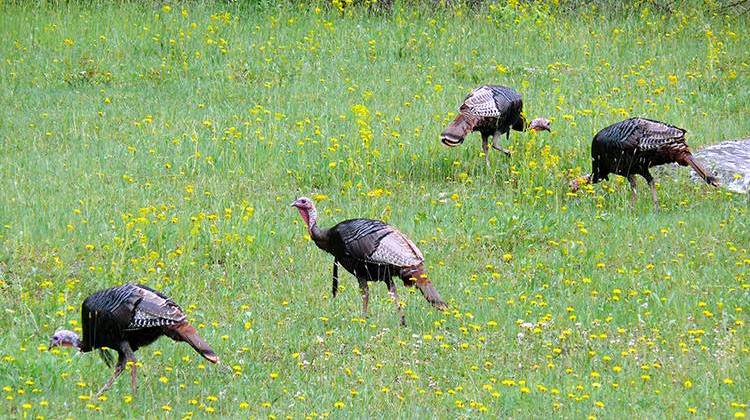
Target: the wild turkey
pixel 493 111
pixel 126 318
pixel 631 147
pixel 372 251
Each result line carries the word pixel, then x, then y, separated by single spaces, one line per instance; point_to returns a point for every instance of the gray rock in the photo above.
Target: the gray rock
pixel 730 161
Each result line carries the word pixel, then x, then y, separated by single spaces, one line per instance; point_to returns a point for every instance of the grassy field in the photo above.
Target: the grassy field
pixel 163 145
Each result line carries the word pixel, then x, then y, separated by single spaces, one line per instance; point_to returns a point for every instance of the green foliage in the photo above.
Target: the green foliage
pixel 162 144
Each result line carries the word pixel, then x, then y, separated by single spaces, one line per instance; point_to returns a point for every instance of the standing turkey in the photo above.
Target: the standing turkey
pixel 493 111
pixel 126 318
pixel 631 147
pixel 372 251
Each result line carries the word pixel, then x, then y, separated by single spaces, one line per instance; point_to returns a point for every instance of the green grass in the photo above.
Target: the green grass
pixel 144 145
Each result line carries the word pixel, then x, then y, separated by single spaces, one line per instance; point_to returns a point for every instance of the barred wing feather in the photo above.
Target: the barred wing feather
pixel 154 310
pixel 481 102
pixel 489 101
pixel 376 242
pixel 640 133
pixel 396 249
pixel 654 134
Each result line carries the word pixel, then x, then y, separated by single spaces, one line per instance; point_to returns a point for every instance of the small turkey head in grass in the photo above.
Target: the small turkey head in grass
pixel 539 124
pixel 577 182
pixel 65 338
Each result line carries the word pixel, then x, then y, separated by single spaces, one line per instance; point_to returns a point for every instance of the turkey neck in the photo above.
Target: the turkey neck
pixel 525 124
pixel 76 343
pixel 318 235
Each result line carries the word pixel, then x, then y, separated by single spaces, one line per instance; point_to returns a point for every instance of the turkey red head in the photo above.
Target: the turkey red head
pixel 64 338
pixel 539 124
pixel 303 203
pixel 306 209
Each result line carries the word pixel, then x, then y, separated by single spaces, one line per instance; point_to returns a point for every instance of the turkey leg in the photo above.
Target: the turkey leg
pixel 496 142
pixel 118 370
pixel 335 286
pixel 392 293
pixel 365 296
pixel 130 357
pixel 652 184
pixel 631 179
pixel 486 149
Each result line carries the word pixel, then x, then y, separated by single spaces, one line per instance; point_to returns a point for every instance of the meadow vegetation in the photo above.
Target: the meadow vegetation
pixel 163 145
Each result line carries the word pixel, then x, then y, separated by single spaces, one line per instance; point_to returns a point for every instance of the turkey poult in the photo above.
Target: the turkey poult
pixel 126 318
pixel 493 111
pixel 372 251
pixel 631 147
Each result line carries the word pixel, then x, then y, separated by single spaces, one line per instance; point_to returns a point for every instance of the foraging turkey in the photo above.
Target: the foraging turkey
pixel 372 251
pixel 126 318
pixel 493 111
pixel 631 147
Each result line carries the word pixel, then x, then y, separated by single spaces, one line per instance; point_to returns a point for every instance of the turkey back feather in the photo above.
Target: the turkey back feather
pixel 491 101
pixel 359 238
pixel 376 242
pixel 639 133
pixel 154 310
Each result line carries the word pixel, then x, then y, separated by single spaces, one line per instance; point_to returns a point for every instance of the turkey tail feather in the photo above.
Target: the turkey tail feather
pixel 455 133
pixel 431 294
pixel 419 278
pixel 701 171
pixel 187 333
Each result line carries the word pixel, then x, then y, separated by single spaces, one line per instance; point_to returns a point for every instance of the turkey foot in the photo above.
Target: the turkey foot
pixel 496 144
pixel 502 149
